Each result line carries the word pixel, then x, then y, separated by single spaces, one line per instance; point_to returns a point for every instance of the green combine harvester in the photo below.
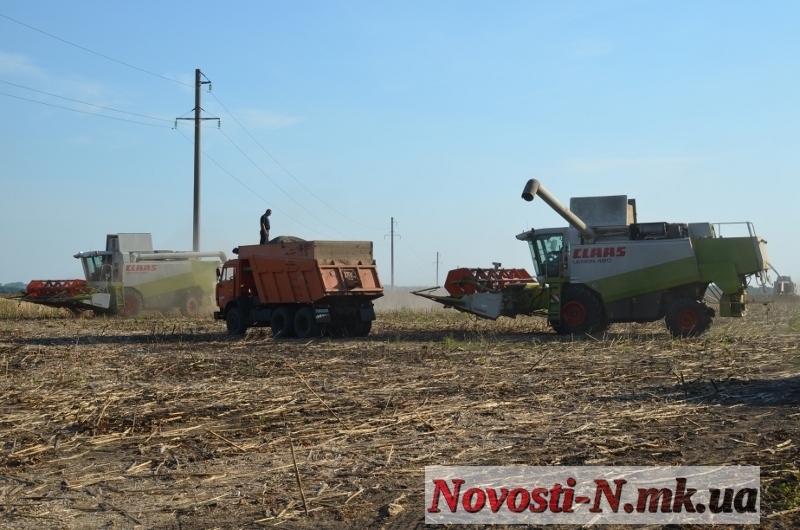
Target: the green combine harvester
pixel 606 267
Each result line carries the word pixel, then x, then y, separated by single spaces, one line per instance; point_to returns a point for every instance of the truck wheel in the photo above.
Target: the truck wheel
pixel 687 317
pixel 305 323
pixel 358 328
pixel 581 311
pixel 282 323
pixel 133 302
pixel 234 319
pixel 365 328
pixel 190 305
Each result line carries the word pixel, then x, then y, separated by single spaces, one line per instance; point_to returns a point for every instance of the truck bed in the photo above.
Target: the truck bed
pixel 310 271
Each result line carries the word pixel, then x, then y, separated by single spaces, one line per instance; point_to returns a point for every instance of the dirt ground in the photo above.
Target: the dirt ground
pixel 166 422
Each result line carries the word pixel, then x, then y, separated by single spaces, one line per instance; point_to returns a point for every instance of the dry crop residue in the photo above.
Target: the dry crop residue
pixel 165 422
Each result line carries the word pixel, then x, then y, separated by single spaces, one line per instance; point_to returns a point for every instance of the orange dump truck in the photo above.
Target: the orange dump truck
pixel 300 288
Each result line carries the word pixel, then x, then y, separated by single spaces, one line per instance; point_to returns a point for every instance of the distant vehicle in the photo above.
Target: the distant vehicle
pixel 300 288
pixel 129 276
pixel 784 285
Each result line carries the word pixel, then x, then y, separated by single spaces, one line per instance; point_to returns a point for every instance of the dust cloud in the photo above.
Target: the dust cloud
pixel 401 298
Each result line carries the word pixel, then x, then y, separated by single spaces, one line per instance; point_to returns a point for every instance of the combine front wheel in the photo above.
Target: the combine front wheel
pixel 581 311
pixel 688 317
pixel 190 305
pixel 133 302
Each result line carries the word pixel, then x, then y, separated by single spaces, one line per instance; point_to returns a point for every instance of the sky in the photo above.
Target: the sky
pixel 343 115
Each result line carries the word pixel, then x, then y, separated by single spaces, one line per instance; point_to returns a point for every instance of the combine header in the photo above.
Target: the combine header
pixel 75 295
pixel 489 293
pixel 606 267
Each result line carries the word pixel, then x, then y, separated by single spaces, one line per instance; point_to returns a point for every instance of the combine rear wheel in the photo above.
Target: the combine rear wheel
pixel 235 321
pixel 305 323
pixel 581 311
pixel 133 302
pixel 688 317
pixel 282 323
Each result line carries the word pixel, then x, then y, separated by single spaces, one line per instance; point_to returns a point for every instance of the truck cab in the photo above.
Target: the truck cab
pixel 226 283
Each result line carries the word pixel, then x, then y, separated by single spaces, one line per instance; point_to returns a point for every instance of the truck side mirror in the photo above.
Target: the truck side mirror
pixel 218 274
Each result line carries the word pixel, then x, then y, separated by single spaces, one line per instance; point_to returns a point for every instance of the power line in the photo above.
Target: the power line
pixel 84 102
pixel 94 52
pixel 245 186
pixel 84 112
pixel 286 170
pixel 415 265
pixel 223 106
pixel 282 190
pixel 411 254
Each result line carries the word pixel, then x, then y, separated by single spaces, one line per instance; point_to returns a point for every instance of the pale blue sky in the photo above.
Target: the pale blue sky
pixel 435 113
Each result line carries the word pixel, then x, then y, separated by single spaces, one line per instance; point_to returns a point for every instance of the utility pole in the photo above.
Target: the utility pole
pixel 392 235
pixel 437 269
pixel 198 121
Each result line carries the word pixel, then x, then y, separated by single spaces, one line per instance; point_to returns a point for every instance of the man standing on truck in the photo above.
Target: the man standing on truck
pixel 265 226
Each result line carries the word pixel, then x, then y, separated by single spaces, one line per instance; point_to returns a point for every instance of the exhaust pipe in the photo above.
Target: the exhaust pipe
pixel 534 188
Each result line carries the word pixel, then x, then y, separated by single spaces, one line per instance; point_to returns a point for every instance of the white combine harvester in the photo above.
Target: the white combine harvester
pixel 129 276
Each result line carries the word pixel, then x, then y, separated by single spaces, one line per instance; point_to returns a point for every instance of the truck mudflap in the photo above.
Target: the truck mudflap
pixel 322 315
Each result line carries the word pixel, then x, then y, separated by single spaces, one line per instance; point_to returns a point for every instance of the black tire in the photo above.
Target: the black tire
pixel 305 323
pixel 688 317
pixel 581 311
pixel 357 328
pixel 133 302
pixel 190 305
pixel 282 323
pixel 366 327
pixel 234 319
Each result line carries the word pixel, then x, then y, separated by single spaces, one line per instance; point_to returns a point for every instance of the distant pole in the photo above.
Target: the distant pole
pixel 437 269
pixel 392 237
pixel 197 123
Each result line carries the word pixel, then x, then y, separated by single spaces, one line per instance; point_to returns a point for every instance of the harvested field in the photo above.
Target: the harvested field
pixel 165 422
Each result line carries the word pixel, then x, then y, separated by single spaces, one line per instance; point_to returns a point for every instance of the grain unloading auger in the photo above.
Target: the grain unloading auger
pixel 606 267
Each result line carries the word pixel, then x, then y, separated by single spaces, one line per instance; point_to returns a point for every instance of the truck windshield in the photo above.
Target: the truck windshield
pixel 547 250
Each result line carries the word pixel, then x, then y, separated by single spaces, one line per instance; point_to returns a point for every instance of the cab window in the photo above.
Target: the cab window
pixel 227 274
pixel 97 267
pixel 547 250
